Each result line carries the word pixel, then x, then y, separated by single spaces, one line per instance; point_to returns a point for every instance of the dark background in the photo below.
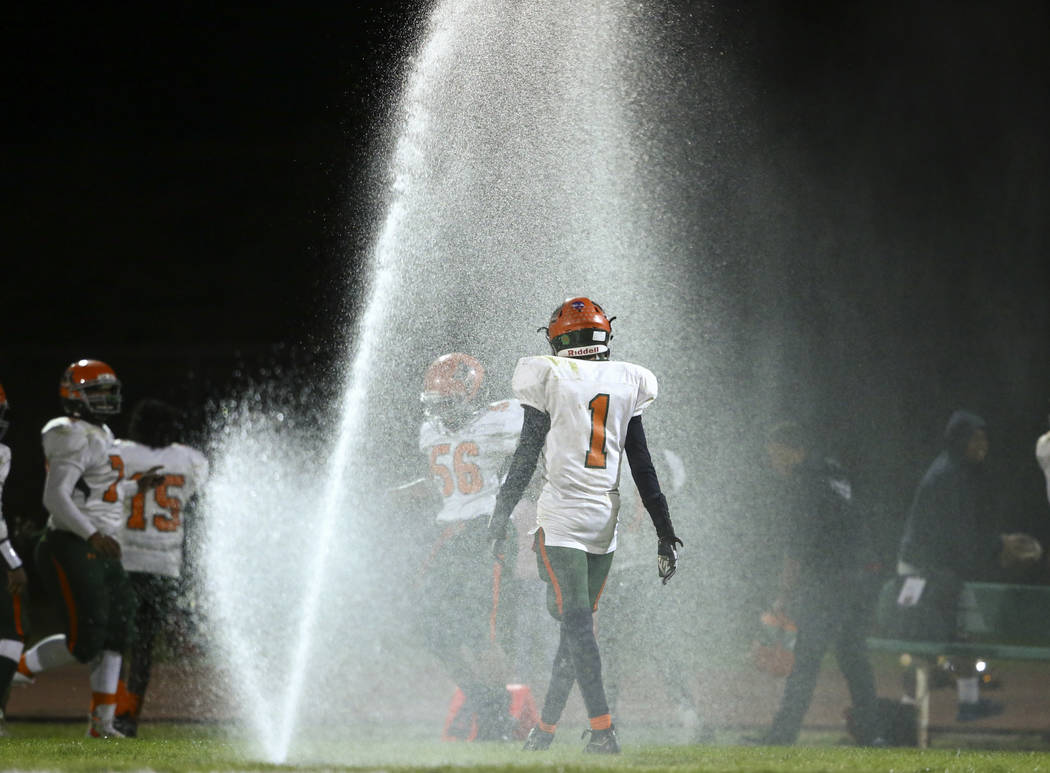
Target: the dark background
pixel 190 192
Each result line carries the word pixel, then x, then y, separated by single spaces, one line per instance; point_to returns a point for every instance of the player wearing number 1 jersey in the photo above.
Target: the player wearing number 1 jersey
pixel 583 412
pixel 79 556
pixel 467 445
pixel 152 539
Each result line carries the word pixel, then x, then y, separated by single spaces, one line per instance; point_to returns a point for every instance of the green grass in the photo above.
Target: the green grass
pixel 61 746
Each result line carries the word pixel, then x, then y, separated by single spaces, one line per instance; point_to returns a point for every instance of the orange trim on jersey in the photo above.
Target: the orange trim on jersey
pixel 604 722
pixel 16 607
pixel 71 605
pixel 497 576
pixel 550 571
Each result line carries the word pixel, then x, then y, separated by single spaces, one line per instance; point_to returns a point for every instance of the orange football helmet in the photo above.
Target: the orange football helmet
pixel 580 328
pixel 4 422
pixel 451 386
pixel 88 388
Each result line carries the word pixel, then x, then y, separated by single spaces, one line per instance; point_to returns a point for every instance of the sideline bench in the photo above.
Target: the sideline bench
pixel 1017 627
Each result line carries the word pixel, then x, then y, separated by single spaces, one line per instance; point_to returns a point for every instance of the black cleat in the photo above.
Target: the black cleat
pixel 538 740
pixel 126 725
pixel 602 741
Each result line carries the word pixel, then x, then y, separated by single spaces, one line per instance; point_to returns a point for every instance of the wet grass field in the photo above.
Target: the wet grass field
pixel 181 747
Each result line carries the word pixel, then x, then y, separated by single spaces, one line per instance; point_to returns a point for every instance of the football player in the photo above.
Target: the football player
pixel 13 589
pixel 584 412
pixel 153 536
pixel 78 556
pixel 468 445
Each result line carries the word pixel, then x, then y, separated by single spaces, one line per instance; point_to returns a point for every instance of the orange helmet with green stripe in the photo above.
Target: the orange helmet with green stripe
pixel 580 328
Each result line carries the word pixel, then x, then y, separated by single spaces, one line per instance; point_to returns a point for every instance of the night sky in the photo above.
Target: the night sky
pixel 190 191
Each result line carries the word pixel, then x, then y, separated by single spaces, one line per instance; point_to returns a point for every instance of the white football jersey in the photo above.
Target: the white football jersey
pixel 1042 454
pixel 5 468
pixel 469 464
pixel 153 530
pixel 590 403
pixel 100 491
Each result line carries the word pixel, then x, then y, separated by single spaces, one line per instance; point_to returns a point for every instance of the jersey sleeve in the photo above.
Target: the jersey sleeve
pixel 1042 452
pixel 647 390
pixel 5 468
pixel 529 382
pixel 5 465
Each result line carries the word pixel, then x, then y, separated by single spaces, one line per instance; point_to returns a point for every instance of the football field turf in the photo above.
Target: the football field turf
pixel 173 747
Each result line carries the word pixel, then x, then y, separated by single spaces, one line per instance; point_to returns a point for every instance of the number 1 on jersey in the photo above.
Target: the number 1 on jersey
pixel 596 454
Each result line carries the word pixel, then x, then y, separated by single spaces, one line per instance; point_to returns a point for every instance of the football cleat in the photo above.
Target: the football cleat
pixel 580 328
pixel 538 740
pixel 89 388
pixel 102 728
pixel 602 741
pixel 451 387
pixel 126 726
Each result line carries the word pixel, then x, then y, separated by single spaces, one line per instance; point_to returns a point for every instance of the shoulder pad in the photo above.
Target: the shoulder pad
pixel 64 437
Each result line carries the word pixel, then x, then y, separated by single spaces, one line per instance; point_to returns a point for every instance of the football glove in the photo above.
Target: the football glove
pixel 667 558
pixel 498 550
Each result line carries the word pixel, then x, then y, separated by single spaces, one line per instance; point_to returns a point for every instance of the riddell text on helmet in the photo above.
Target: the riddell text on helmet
pixel 583 351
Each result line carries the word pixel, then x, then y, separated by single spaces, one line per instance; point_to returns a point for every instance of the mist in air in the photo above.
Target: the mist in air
pixel 760 263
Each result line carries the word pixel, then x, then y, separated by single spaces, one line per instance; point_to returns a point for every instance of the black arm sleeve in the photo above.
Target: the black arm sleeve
pixel 533 432
pixel 645 479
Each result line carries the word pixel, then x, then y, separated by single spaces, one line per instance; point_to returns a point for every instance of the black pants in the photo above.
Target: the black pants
pixel 825 619
pixel 157 612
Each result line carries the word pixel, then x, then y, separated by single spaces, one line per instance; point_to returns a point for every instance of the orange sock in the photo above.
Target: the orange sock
pixel 128 703
pixel 604 722
pixel 23 669
pixel 545 727
pixel 103 699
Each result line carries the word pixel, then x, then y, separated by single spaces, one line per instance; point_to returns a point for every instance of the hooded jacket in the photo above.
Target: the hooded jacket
pixel 946 526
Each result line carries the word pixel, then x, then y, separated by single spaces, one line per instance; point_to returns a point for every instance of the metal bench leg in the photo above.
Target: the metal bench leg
pixel 922 704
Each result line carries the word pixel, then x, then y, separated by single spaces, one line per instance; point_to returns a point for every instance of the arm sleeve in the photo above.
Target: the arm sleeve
pixel 534 429
pixel 645 479
pixel 62 476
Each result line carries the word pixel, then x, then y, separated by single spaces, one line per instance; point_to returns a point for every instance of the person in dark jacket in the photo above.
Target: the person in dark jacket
pixel 949 534
pixel 947 527
pixel 825 584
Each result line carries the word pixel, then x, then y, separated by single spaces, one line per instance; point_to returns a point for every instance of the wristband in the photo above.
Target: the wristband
pixel 9 554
